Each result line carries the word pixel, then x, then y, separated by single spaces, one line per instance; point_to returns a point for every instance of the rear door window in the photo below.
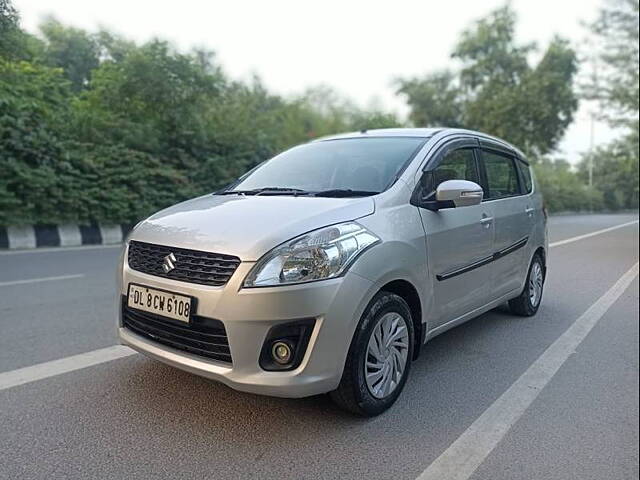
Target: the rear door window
pixel 502 176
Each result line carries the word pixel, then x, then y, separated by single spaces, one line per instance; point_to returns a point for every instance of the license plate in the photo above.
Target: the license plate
pixel 166 304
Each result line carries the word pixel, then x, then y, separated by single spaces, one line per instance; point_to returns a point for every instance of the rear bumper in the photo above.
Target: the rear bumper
pixel 248 315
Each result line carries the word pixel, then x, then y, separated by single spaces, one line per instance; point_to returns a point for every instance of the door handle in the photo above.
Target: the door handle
pixel 486 222
pixel 529 211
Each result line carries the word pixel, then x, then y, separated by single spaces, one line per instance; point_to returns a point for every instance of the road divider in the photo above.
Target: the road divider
pixel 466 454
pixel 68 235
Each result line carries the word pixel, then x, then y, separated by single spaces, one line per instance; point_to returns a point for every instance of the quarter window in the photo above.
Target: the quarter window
pixel 502 176
pixel 526 176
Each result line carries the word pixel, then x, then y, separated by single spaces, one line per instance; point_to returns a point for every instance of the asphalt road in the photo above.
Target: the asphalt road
pixel 135 418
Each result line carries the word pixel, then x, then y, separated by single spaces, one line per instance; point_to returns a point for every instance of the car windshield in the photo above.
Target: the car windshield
pixel 354 165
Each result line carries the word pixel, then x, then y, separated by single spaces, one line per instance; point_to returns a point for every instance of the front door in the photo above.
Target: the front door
pixel 459 240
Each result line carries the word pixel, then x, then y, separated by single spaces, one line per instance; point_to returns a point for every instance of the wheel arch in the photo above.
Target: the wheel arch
pixel 543 255
pixel 409 293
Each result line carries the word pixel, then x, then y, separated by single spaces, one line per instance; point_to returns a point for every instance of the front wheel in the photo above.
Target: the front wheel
pixel 379 357
pixel 529 300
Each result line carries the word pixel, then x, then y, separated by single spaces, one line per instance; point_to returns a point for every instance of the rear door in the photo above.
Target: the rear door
pixel 504 196
pixel 459 240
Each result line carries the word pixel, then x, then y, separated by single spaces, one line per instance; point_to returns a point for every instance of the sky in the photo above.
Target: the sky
pixel 357 47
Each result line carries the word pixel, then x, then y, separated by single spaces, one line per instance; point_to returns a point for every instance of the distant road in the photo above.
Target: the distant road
pixel 125 416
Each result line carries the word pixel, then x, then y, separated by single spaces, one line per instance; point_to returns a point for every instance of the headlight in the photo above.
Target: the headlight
pixel 317 255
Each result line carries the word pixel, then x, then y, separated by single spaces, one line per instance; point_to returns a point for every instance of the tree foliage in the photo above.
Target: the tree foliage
pixel 615 172
pixel 32 106
pixel 615 87
pixel 72 49
pixel 563 190
pixel 615 82
pixel 496 90
pixel 14 43
pixel 8 27
pixel 95 128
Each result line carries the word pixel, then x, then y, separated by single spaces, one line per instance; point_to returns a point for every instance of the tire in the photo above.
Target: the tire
pixel 528 302
pixel 369 398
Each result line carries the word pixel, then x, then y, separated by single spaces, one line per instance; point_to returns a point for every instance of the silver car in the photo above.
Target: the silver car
pixel 329 267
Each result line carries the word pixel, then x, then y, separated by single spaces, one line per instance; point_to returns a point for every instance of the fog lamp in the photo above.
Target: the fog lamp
pixel 282 352
pixel 285 345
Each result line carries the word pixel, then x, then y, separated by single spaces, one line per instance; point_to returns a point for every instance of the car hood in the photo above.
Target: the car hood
pixel 246 226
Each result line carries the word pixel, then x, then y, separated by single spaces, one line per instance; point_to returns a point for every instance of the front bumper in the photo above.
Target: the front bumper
pixel 248 315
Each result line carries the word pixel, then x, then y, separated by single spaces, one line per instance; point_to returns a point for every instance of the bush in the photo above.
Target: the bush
pixel 563 190
pixel 32 106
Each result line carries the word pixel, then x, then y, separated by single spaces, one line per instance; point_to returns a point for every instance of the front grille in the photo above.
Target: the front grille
pixel 192 266
pixel 206 337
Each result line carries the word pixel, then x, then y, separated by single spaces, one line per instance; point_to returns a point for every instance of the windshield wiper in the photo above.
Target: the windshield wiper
pixel 344 192
pixel 265 191
pixel 334 192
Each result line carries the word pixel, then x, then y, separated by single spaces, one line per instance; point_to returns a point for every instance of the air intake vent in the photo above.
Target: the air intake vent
pixel 206 337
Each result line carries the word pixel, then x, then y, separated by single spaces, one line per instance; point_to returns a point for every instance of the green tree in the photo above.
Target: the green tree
pixel 8 28
pixel 14 43
pixel 615 172
pixel 151 100
pixel 112 47
pixel 496 90
pixel 72 49
pixel 615 87
pixel 435 99
pixel 616 56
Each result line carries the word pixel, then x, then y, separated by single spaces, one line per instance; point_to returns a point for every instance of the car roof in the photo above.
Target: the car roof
pixel 419 132
pixel 386 132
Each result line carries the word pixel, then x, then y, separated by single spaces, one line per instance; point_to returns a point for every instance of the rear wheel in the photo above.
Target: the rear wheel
pixel 528 302
pixel 379 357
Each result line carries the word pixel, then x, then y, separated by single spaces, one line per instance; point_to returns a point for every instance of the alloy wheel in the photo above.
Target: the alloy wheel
pixel 536 279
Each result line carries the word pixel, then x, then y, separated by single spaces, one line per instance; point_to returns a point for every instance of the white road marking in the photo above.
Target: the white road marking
pixel 58 249
pixel 466 454
pixel 43 279
pixel 64 365
pixel 591 234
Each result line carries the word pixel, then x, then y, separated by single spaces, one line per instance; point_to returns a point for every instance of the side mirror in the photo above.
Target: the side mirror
pixel 449 194
pixel 460 193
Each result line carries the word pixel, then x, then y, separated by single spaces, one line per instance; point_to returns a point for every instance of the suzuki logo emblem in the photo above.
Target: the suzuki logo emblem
pixel 169 263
